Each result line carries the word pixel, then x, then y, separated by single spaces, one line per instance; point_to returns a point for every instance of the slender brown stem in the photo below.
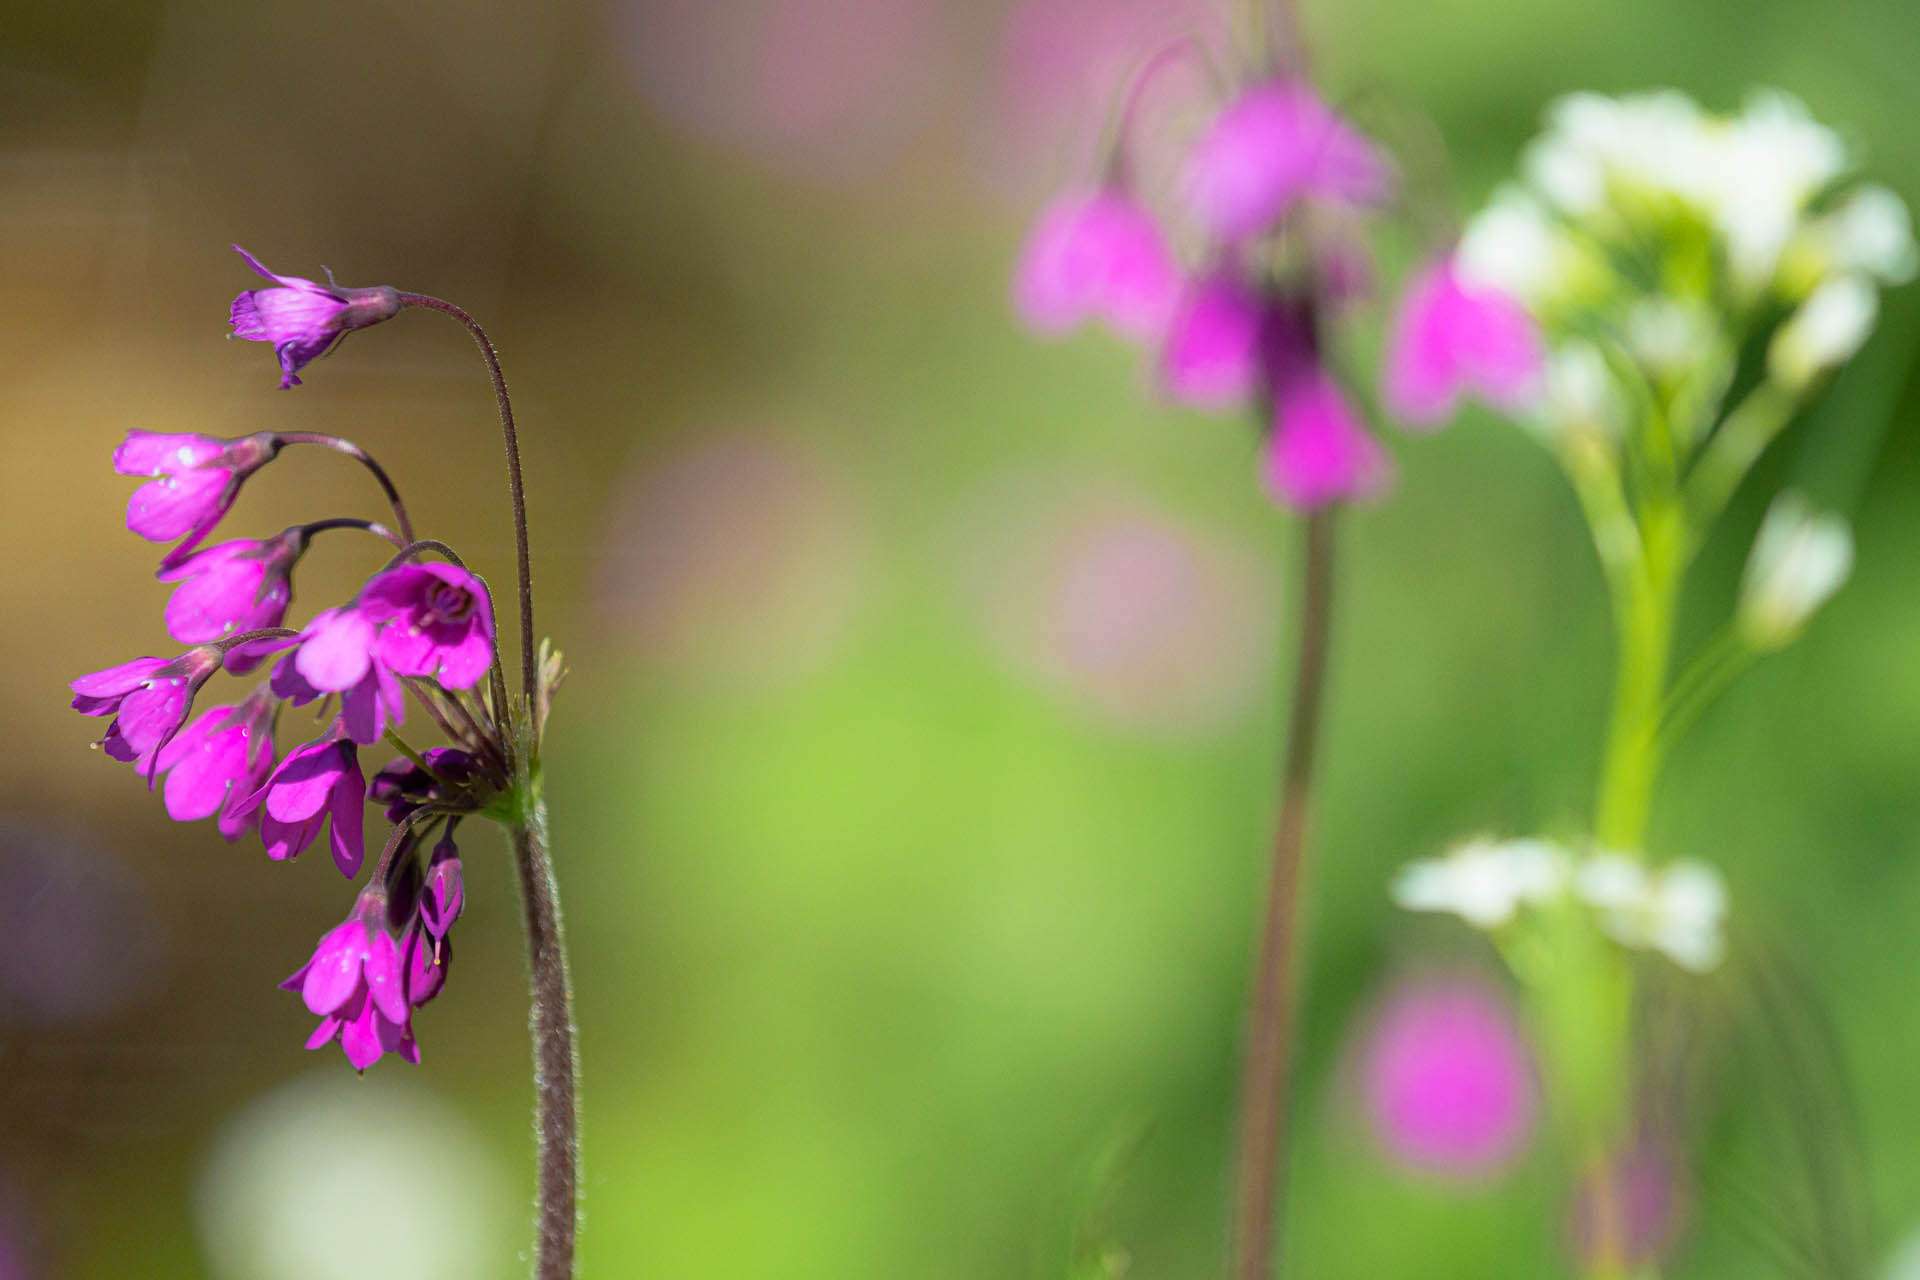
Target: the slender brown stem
pixel 365 459
pixel 1265 1085
pixel 515 484
pixel 556 1125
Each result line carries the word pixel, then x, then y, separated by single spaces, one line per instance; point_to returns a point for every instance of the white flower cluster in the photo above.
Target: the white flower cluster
pixel 1676 910
pixel 1614 177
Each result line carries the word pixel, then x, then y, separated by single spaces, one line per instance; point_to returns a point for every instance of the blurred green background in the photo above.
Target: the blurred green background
pixel 911 786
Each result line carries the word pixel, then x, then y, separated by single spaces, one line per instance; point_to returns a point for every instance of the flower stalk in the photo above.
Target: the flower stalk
pixel 555 1056
pixel 1266 1078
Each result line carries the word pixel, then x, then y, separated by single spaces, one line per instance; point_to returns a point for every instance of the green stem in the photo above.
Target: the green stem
pixel 1727 457
pixel 556 1119
pixel 1645 650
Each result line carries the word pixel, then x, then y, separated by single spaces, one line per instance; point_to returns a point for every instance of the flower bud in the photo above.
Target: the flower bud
pixel 1827 329
pixel 1798 561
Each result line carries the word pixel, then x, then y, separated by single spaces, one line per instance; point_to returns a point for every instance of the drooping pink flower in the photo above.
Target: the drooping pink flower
pixel 217 761
pixel 149 700
pixel 1273 145
pixel 443 896
pixel 1318 451
pixel 233 587
pixel 315 782
pixel 438 623
pixel 356 984
pixel 196 479
pixel 1096 255
pixel 303 319
pixel 1445 1079
pixel 1452 337
pixel 1213 353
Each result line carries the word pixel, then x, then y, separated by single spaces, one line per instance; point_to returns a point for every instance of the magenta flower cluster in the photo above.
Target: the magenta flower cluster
pixel 1271 190
pixel 416 626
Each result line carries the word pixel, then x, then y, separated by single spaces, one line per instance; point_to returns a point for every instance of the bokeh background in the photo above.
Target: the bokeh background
pixel 911 785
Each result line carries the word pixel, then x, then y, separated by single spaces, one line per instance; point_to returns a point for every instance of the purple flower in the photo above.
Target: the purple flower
pixel 1318 452
pixel 319 780
pixel 1452 336
pixel 439 623
pixel 196 480
pixel 149 699
pixel 404 786
pixel 356 983
pixel 232 587
pixel 1271 146
pixel 219 760
pixel 444 896
pixel 1096 255
pixel 304 319
pixel 1212 356
pixel 367 706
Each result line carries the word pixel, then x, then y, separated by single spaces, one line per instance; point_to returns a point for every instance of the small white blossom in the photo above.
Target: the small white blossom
pixel 1870 232
pixel 1676 911
pixel 1799 560
pixel 1827 329
pixel 1515 246
pixel 1484 882
pixel 1767 163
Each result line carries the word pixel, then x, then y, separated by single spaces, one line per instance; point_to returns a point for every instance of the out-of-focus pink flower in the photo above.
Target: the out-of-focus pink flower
pixel 1445 1079
pixel 1453 337
pixel 1318 451
pixel 1097 255
pixel 1273 145
pixel 1648 1204
pixel 1212 355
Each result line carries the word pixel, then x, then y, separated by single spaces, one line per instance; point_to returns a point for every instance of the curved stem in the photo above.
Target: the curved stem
pixel 415 547
pixel 1266 1077
pixel 556 1123
pixel 365 459
pixel 515 483
pixel 347 522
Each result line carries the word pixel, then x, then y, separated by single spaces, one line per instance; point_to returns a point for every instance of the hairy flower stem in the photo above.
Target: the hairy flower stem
pixel 515 483
pixel 366 460
pixel 556 1124
pixel 1265 1084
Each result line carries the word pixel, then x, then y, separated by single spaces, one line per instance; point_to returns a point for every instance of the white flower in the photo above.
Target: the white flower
pixel 1676 911
pixel 1766 163
pixel 1484 882
pixel 1595 148
pixel 1515 246
pixel 1798 561
pixel 1827 329
pixel 1870 232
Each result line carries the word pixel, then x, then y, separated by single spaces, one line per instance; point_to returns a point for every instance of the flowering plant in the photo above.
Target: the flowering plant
pixel 421 624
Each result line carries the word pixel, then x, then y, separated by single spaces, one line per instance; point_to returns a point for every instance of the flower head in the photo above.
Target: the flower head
pixel 1454 336
pixel 231 587
pixel 1271 146
pixel 1096 256
pixel 219 760
pixel 1799 560
pixel 196 479
pixel 315 782
pixel 1484 882
pixel 1319 452
pixel 303 319
pixel 149 700
pixel 356 983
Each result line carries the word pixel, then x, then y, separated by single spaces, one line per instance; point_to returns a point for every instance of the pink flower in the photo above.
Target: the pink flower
pixel 232 587
pixel 356 983
pixel 438 623
pixel 196 480
pixel 319 780
pixel 1453 337
pixel 1446 1081
pixel 304 320
pixel 149 700
pixel 444 896
pixel 1273 145
pixel 1318 452
pixel 219 760
pixel 1096 256
pixel 1212 355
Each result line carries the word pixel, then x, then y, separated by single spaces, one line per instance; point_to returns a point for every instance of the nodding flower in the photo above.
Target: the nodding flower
pixel 304 319
pixel 195 481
